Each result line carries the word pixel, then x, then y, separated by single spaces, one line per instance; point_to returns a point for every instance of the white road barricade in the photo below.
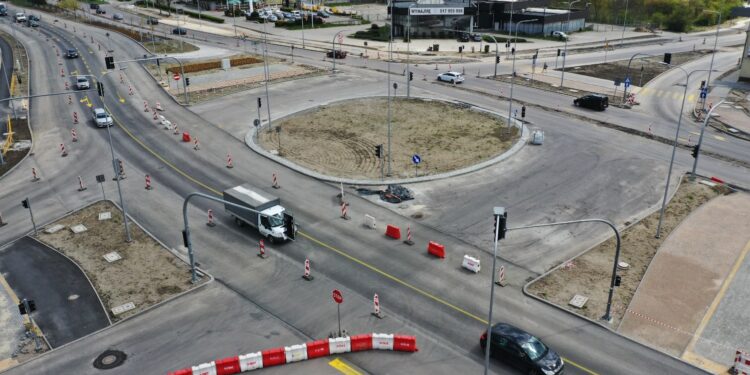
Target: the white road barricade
pixel 742 362
pixel 471 263
pixel 339 345
pixel 370 222
pixel 251 361
pixel 382 341
pixel 295 353
pixel 205 369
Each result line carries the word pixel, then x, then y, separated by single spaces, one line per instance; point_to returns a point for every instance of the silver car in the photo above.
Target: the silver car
pixel 102 118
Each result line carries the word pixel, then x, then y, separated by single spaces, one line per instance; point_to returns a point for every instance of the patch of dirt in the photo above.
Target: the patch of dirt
pixel 340 139
pixel 652 67
pixel 590 274
pixel 147 273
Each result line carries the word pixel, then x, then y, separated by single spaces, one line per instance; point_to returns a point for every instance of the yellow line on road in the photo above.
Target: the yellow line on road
pixel 343 367
pixel 8 289
pixel 720 138
pixel 719 296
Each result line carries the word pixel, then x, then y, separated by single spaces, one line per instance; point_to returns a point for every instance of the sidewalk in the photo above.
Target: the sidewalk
pixel 687 275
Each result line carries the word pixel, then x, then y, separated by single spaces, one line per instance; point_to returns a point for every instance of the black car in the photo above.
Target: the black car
pixel 152 21
pixel 463 37
pixel 179 31
pixel 101 11
pixel 522 350
pixel 71 53
pixel 593 101
pixel 338 54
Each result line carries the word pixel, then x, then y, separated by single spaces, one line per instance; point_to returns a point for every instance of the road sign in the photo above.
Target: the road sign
pixel 176 76
pixel 337 296
pixel 703 95
pixel 627 82
pixel 416 159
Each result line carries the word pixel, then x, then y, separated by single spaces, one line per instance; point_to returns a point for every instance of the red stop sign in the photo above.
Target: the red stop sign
pixel 337 296
pixel 176 76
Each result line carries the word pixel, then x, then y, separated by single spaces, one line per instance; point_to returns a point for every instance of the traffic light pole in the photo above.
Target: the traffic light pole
pixel 700 138
pixel 498 212
pixel 27 307
pixel 27 204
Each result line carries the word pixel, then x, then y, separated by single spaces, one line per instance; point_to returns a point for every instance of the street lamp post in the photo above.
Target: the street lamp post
pixel 674 147
pixel 266 72
pixel 513 70
pixel 627 73
pixel 565 51
pixel 388 88
pixel 498 212
pixel 713 54
pixel 624 20
pixel 700 138
pixel 333 51
pixel 408 47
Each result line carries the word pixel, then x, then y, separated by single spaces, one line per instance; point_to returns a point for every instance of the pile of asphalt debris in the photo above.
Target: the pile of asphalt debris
pixel 392 194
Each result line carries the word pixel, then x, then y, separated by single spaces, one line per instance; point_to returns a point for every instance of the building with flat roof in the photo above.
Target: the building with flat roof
pixel 442 18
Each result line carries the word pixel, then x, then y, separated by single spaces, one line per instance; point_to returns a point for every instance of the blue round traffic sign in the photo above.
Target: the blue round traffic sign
pixel 416 159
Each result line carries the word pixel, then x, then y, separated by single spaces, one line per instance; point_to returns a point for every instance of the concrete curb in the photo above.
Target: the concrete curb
pixel 250 142
pixel 28 114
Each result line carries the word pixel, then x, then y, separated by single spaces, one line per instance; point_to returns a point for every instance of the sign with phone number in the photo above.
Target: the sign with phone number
pixel 436 11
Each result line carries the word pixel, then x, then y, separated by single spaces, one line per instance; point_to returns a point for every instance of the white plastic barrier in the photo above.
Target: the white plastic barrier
pixel 295 353
pixel 339 345
pixel 205 369
pixel 471 263
pixel 382 341
pixel 370 222
pixel 742 362
pixel 251 361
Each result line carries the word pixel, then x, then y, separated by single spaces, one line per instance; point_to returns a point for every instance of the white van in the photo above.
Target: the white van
pixel 102 118
pixel 20 17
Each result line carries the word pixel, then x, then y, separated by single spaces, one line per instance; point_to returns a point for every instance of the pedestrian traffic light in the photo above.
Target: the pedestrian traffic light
pixel 259 103
pixel 100 89
pixel 513 51
pixel 500 225
pixel 703 84
pixel 497 59
pixel 460 49
pixel 558 52
pixel 109 61
pixel 667 58
pixel 411 76
pixel 25 203
pixel 187 81
pixel 523 111
pixel 696 150
pixel 379 151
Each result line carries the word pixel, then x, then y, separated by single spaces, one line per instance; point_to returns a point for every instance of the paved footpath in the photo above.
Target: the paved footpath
pixel 690 294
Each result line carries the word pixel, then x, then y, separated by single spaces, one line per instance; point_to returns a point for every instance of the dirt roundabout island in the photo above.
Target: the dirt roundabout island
pixel 340 139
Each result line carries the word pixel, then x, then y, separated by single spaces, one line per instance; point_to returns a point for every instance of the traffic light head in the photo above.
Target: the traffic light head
pixel 187 81
pixel 558 52
pixel 100 89
pixel 523 111
pixel 667 58
pixel 25 203
pixel 109 61
pixel 411 76
pixel 497 59
pixel 379 151
pixel 696 150
pixel 501 217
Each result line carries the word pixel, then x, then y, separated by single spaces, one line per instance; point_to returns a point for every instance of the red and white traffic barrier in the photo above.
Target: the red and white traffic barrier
pixel 62 72
pixel 175 130
pixel 501 276
pixel 33 173
pixel 275 182
pixel 74 135
pixel 229 161
pixel 148 183
pixel 344 211
pixel 376 307
pixel 130 90
pixel 408 236
pixel 307 276
pixel 70 100
pixel 302 352
pixel 210 221
pixel 156 117
pixel 121 80
pixel 81 187
pixel 158 107
pixel 145 106
pixel 741 363
pixel 75 117
pixel 121 175
pixel 2 223
pixel 262 249
pixel 63 151
pixel 67 86
pixel 195 144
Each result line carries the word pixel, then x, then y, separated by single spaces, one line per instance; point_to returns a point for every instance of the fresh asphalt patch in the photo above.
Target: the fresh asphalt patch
pixel 67 305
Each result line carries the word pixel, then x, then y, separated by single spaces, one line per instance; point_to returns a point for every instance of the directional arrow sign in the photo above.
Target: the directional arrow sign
pixel 416 159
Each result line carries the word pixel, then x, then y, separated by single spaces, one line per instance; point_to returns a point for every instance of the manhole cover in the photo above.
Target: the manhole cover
pixel 109 359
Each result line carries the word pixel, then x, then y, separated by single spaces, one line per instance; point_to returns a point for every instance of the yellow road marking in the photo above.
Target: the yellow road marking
pixel 720 138
pixel 719 296
pixel 695 133
pixel 320 243
pixel 705 363
pixel 691 97
pixel 8 289
pixel 7 363
pixel 343 367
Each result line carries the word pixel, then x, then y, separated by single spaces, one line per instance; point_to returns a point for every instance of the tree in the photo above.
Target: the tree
pixel 68 4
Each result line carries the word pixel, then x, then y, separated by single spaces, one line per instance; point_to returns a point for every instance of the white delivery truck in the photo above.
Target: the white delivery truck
pixel 267 215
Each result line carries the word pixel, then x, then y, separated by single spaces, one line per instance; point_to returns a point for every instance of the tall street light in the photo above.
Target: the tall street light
pixel 501 217
pixel 388 87
pixel 565 51
pixel 697 147
pixel 674 145
pixel 624 20
pixel 627 73
pixel 713 54
pixel 513 71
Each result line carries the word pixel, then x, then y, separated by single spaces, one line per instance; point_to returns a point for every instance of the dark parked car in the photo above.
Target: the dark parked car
pixel 101 11
pixel 93 6
pixel 71 53
pixel 179 31
pixel 117 17
pixel 152 21
pixel 522 350
pixel 593 101
pixel 463 37
pixel 476 37
pixel 339 54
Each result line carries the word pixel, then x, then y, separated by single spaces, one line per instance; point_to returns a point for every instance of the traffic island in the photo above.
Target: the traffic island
pixel 581 285
pixel 129 277
pixel 349 139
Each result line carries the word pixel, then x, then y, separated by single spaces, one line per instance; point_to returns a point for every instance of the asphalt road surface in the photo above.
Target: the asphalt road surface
pixel 67 305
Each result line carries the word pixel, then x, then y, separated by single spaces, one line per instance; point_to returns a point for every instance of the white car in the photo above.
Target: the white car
pixel 102 118
pixel 82 83
pixel 560 34
pixel 452 77
pixel 20 17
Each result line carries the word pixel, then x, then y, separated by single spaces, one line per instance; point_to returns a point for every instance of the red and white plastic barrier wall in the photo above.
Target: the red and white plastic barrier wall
pixel 302 352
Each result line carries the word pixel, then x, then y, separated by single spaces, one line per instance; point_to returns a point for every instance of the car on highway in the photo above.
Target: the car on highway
pixel 451 77
pixel 118 17
pixel 101 11
pixel 152 21
pixel 20 17
pixel 71 53
pixel 593 101
pixel 179 31
pixel 476 37
pixel 102 118
pixel 339 54
pixel 82 83
pixel 32 23
pixel 463 37
pixel 3 9
pixel 560 35
pixel 522 350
